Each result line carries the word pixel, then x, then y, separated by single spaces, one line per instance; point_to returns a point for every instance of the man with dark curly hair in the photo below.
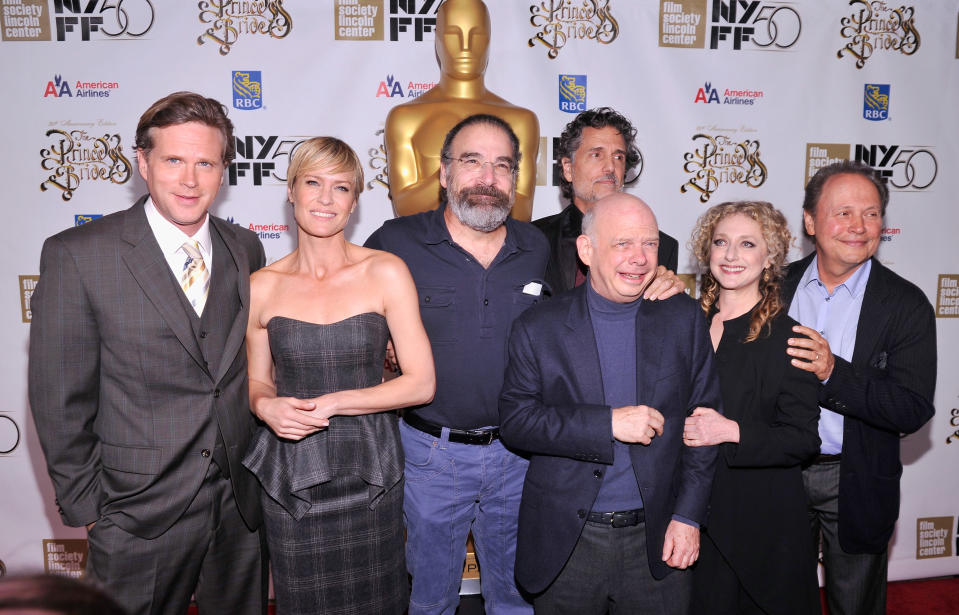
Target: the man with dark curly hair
pixel 597 150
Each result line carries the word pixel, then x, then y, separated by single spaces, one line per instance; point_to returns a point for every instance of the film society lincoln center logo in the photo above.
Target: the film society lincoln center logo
pixel 905 168
pixel 75 20
pixel 65 556
pixel 947 296
pixel 377 20
pixel 729 24
pixel 934 537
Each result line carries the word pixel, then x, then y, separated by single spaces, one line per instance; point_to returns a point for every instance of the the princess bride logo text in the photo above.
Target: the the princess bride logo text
pixel 230 19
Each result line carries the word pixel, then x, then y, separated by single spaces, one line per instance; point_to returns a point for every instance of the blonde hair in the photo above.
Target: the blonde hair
pixel 775 232
pixel 328 153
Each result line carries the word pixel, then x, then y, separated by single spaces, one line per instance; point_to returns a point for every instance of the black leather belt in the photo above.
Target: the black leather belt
pixel 623 518
pixel 822 458
pixel 460 436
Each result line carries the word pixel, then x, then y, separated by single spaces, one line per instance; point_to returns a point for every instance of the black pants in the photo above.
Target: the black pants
pixel 608 573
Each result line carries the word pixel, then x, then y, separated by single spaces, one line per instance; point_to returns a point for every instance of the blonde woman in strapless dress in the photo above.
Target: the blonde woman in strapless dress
pixel 327 451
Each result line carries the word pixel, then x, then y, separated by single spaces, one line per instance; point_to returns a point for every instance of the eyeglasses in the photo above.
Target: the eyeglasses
pixel 474 165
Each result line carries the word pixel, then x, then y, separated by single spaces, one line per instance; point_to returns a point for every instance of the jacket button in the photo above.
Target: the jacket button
pixel 202 335
pixel 426 299
pixel 597 474
pixel 205 452
pixel 216 392
pixel 581 513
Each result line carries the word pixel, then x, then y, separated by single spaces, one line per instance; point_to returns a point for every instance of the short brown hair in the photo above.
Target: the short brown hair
pixel 183 107
pixel 325 153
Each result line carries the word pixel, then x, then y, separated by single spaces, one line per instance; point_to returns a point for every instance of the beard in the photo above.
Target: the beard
pixel 482 215
pixel 591 196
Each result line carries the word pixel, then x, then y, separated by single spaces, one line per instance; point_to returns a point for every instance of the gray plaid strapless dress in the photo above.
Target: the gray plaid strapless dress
pixel 333 501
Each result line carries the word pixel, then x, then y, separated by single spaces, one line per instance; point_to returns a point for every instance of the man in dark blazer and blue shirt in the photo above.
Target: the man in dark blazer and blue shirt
pixel 138 378
pixel 871 341
pixel 598 387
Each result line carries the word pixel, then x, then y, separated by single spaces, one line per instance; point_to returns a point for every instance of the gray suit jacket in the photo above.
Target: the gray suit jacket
pixel 127 409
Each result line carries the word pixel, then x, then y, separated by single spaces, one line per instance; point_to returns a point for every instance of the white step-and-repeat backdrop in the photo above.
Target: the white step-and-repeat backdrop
pixel 733 99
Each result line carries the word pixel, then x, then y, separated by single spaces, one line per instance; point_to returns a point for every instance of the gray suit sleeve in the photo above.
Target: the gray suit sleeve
pixel 64 383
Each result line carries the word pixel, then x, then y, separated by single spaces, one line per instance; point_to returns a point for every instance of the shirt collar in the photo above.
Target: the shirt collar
pixel 855 284
pixel 170 237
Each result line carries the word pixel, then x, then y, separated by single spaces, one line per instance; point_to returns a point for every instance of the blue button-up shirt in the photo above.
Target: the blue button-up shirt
pixel 467 309
pixel 836 316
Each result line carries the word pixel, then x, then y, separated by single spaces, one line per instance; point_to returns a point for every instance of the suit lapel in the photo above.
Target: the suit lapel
pixel 239 260
pixel 872 316
pixel 581 349
pixel 649 349
pixel 149 268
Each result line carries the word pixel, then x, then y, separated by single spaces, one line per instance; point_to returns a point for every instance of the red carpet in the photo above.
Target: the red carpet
pixel 924 597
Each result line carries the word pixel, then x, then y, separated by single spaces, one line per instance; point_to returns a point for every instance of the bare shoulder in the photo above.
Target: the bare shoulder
pixel 382 265
pixel 268 278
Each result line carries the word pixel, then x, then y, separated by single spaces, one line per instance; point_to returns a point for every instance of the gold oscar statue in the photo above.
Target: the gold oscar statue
pixel 415 130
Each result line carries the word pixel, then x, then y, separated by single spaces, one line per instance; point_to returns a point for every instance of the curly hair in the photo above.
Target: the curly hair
pixel 775 232
pixel 572 137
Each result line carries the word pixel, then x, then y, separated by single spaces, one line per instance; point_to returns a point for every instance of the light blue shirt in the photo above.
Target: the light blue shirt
pixel 836 317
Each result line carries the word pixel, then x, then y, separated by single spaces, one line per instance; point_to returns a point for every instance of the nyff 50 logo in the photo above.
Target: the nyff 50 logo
pixel 736 24
pixel 910 167
pixel 111 18
pixel 261 158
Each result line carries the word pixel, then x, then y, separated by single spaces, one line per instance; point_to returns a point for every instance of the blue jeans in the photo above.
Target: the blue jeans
pixel 451 487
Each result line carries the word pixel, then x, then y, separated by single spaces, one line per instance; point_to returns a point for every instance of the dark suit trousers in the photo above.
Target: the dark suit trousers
pixel 855 582
pixel 608 573
pixel 208 550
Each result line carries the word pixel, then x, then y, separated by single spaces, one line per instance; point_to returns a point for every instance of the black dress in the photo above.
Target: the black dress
pixel 757 539
pixel 333 501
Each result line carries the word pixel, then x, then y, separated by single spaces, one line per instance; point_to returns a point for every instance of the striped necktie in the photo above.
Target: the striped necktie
pixel 195 279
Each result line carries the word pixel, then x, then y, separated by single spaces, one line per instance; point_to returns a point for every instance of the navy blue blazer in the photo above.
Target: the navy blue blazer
pixel 886 390
pixel 552 406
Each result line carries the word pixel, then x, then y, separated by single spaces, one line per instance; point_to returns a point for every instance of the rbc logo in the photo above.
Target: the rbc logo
pixel 875 102
pixel 572 93
pixel 247 89
pixel 81 219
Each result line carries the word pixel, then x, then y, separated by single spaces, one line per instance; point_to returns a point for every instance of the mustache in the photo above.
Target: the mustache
pixel 611 177
pixel 483 190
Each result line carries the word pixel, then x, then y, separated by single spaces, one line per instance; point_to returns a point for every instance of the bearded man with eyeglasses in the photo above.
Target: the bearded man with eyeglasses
pixel 476 269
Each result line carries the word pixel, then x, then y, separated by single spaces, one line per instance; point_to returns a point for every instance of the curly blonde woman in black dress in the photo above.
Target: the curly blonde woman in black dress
pixel 756 556
pixel 328 452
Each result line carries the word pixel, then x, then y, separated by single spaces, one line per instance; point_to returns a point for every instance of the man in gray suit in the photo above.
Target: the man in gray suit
pixel 138 378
